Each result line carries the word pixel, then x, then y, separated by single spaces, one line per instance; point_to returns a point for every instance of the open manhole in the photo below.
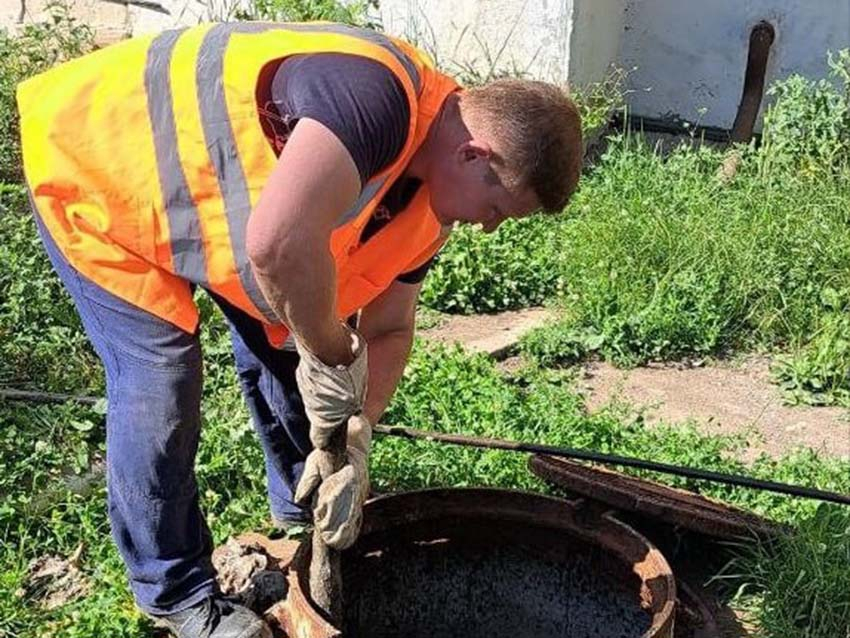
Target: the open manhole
pixel 489 563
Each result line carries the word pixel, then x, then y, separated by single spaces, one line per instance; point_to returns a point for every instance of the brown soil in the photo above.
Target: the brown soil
pixel 496 334
pixel 722 398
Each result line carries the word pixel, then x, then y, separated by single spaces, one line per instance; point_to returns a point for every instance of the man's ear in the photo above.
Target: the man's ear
pixel 474 150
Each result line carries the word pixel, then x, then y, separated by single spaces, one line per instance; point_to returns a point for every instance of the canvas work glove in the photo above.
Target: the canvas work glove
pixel 338 508
pixel 332 394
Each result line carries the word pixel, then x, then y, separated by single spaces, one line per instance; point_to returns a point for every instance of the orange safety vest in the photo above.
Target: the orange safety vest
pixel 146 158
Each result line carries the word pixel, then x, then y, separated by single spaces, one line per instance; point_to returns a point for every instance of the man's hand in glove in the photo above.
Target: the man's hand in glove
pixel 338 512
pixel 331 394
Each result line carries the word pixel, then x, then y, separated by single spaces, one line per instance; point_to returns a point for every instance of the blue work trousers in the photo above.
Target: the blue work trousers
pixel 154 379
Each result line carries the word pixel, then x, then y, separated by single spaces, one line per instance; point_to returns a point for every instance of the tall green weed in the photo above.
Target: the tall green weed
pixel 511 268
pixel 661 260
pixel 354 13
pixel 807 127
pixel 798 586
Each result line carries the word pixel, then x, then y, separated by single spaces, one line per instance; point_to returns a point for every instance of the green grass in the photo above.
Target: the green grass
pixel 659 259
pixel 798 587
pixel 480 273
pixel 442 389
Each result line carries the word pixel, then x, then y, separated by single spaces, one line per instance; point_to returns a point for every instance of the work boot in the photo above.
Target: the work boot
pixel 215 617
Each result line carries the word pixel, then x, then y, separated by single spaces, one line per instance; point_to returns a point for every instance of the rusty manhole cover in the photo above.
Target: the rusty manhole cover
pixel 678 507
pixel 483 562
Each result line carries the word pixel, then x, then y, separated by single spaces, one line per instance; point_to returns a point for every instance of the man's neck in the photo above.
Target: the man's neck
pixel 435 141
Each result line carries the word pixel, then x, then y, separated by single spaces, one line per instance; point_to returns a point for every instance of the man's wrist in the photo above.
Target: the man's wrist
pixel 335 347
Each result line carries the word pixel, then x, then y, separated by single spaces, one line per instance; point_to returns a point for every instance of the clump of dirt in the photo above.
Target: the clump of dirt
pixel 236 564
pixel 53 581
pixel 245 570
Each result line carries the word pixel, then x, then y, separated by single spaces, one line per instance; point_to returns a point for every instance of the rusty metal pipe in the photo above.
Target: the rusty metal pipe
pixel 761 40
pixel 613 459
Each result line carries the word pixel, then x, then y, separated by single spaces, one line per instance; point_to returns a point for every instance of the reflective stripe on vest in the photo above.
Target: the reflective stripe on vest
pixel 187 247
pixel 184 224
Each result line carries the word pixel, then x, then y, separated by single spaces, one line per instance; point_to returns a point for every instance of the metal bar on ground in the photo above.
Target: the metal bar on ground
pixel 613 459
pixel 32 396
pixel 531 448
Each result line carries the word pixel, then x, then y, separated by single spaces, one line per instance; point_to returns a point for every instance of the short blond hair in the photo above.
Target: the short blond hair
pixel 539 128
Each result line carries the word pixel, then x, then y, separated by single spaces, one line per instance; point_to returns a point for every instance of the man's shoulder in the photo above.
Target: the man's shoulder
pixel 359 99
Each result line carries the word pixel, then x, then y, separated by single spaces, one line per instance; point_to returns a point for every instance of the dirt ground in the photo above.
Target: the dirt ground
pixel 722 398
pixel 495 334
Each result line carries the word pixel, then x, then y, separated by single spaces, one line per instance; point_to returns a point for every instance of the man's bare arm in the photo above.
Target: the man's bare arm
pixel 288 237
pixel 388 324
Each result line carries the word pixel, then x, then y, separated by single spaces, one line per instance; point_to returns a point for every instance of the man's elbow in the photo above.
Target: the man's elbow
pixel 260 253
pixel 269 253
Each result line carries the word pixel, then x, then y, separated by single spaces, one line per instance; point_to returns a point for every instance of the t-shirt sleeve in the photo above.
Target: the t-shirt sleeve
pixel 358 99
pixel 416 275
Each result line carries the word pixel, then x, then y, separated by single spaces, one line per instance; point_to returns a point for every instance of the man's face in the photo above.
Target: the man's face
pixel 466 188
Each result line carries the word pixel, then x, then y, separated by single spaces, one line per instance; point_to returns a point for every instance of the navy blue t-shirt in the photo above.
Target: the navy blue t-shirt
pixel 362 103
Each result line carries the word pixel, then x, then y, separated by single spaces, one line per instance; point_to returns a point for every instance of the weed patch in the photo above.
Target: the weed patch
pixel 798 587
pixel 661 260
pixel 509 269
pixel 818 372
pixel 354 13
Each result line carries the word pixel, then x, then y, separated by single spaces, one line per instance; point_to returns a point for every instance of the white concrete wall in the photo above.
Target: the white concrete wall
pixel 527 35
pixel 113 20
pixel 691 55
pixel 597 29
pixel 541 38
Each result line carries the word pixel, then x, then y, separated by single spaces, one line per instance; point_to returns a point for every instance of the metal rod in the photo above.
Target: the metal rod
pixel 44 397
pixel 613 459
pixel 533 448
